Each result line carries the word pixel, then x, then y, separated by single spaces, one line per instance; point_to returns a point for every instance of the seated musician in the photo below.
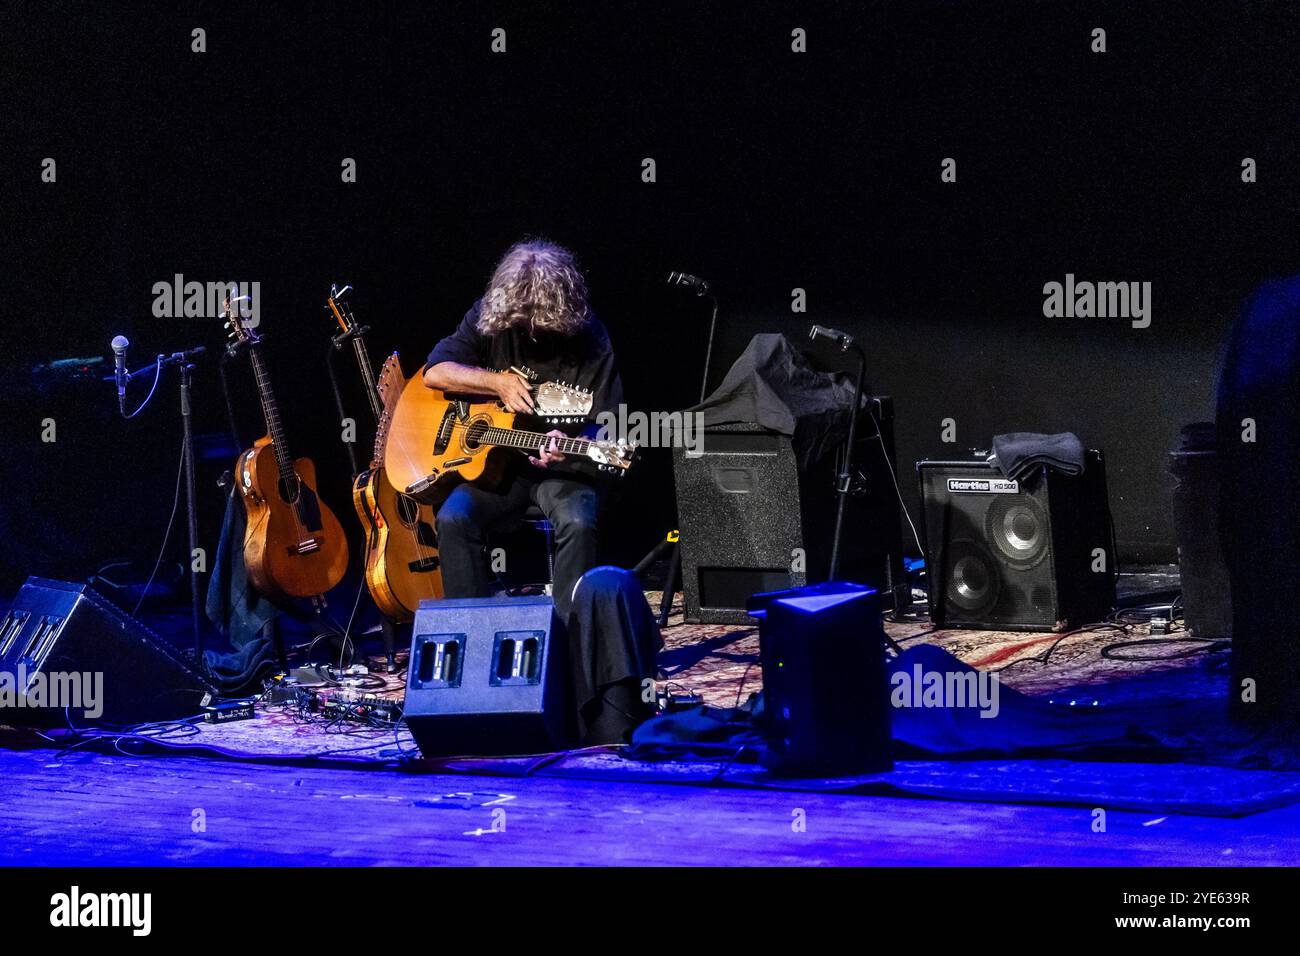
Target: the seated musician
pixel 533 314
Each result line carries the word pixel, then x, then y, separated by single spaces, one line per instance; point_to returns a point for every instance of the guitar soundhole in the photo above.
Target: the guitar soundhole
pixel 474 434
pixel 408 511
pixel 290 488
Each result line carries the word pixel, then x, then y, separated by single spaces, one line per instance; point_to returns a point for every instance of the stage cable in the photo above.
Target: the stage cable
pixel 176 500
pixel 898 492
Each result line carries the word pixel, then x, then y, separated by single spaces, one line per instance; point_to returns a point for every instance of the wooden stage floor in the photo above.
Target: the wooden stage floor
pixel 92 809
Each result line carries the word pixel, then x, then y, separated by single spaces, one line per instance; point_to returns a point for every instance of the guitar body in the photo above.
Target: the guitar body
pixel 432 439
pixel 293 545
pixel 402 566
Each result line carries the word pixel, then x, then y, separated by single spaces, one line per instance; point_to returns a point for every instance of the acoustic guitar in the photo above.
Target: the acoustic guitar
pixel 401 550
pixel 435 438
pixel 293 544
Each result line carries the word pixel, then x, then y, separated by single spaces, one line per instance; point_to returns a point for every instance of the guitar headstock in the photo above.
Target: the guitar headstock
pixel 561 401
pixel 391 379
pixel 341 311
pixel 241 331
pixel 612 455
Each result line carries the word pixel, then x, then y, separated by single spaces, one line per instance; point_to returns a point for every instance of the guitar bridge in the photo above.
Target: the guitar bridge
pixel 424 484
pixel 309 546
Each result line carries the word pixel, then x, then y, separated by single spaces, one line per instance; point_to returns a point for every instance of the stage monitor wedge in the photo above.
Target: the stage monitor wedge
pixel 61 641
pixel 1029 555
pixel 825 695
pixel 488 677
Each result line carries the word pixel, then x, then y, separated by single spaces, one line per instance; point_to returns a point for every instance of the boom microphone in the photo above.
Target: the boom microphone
pixel 842 339
pixel 687 281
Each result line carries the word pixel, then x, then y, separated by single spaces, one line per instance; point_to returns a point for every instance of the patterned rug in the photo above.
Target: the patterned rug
pixel 719 663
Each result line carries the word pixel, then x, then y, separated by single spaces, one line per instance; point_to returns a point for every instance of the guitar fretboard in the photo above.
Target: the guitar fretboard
pixel 271 411
pixel 368 377
pixel 532 441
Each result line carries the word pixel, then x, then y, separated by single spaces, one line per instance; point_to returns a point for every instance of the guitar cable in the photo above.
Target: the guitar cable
pixel 157 374
pixel 176 501
pixel 347 631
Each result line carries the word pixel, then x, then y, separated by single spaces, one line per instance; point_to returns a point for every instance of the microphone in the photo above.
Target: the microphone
pixel 188 354
pixel 119 345
pixel 686 280
pixel 842 339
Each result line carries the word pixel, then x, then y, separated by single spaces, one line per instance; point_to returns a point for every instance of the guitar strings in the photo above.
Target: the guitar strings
pixel 541 436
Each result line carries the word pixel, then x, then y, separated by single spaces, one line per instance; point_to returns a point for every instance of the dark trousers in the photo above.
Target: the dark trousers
pixel 470 512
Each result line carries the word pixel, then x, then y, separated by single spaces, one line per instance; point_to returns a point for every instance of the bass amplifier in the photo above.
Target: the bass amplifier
pixel 1032 555
pixel 74 656
pixel 488 677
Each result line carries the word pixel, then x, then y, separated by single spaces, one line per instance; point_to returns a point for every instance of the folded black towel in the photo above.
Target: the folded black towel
pixel 1019 453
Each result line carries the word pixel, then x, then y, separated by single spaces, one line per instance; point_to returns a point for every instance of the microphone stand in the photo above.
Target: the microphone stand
pixel 670 545
pixel 191 505
pixel 708 351
pixel 844 480
pixel 182 361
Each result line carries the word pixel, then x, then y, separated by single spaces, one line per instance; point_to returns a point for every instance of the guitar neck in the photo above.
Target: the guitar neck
pixel 368 377
pixel 532 441
pixel 343 315
pixel 271 412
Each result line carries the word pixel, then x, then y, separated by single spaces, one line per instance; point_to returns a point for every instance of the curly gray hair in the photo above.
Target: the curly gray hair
pixel 536 286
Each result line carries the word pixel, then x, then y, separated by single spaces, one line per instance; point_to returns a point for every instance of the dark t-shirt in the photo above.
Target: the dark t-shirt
pixel 584 359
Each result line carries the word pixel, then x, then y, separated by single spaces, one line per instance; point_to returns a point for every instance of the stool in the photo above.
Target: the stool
pixel 536 519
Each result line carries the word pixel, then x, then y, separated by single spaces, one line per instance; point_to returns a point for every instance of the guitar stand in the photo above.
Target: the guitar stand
pixel 337 342
pixel 327 632
pixel 272 630
pixel 338 399
pixel 389 629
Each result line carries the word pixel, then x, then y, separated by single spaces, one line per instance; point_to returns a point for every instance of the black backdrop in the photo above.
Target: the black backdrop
pixel 775 170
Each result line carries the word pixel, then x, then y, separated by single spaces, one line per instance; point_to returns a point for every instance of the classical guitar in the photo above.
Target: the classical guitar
pixel 401 551
pixel 293 544
pixel 434 437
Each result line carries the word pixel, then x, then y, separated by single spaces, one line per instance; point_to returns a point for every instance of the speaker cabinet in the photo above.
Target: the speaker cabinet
pixel 64 635
pixel 1017 555
pixel 751 521
pixel 825 695
pixel 488 677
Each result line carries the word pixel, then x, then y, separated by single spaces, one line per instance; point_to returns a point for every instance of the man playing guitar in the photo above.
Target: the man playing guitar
pixel 533 314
